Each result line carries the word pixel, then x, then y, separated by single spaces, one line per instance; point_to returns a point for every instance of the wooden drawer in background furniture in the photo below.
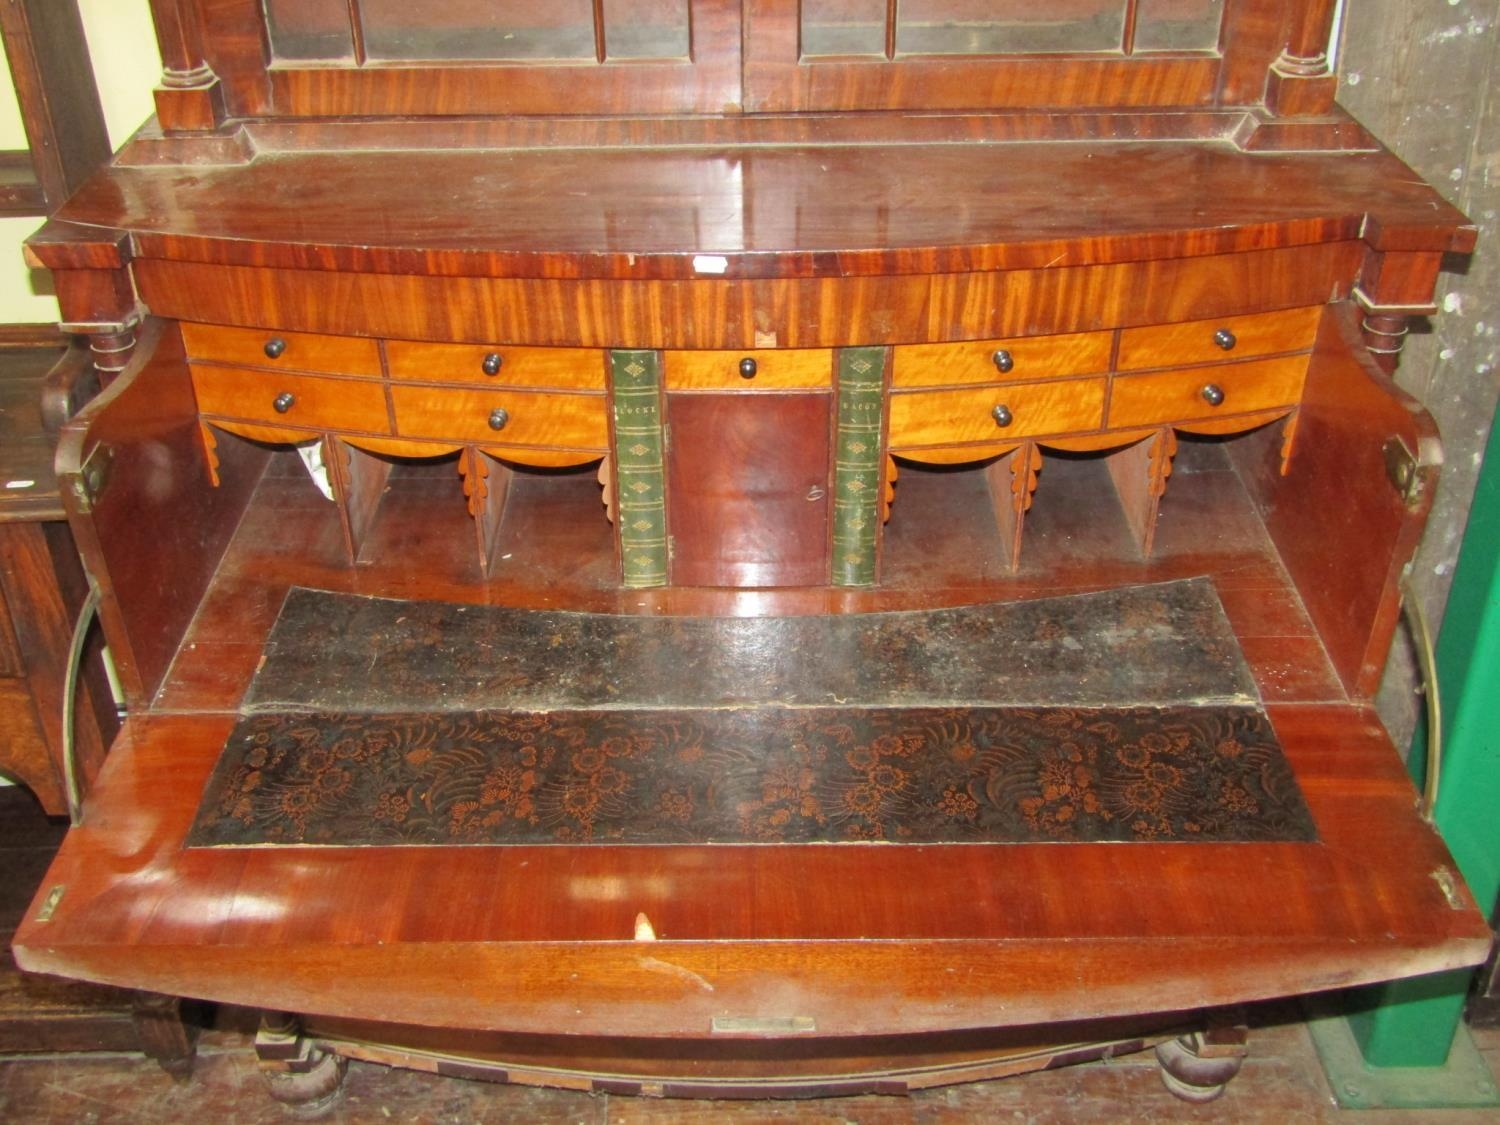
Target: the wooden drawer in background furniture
pixel 286 399
pixel 1211 341
pixel 485 363
pixel 992 414
pixel 298 351
pixel 502 416
pixel 1196 393
pixel 801 369
pixel 42 583
pixel 988 361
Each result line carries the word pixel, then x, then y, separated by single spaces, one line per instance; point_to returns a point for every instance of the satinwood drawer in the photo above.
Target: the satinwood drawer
pixel 1210 341
pixel 803 369
pixel 573 421
pixel 923 418
pixel 285 398
pixel 987 361
pixel 1197 393
pixel 299 351
pixel 494 364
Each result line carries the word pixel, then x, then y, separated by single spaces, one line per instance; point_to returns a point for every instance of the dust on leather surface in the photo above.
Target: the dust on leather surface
pixel 1161 643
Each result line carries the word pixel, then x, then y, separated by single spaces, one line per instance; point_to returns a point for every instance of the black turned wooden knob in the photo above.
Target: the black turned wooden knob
pixel 1004 361
pixel 1225 339
pixel 748 367
pixel 1002 415
pixel 274 347
pixel 1213 394
pixel 492 362
pixel 283 402
pixel 499 417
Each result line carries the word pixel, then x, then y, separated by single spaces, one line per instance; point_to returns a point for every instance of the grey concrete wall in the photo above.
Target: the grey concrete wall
pixel 1424 76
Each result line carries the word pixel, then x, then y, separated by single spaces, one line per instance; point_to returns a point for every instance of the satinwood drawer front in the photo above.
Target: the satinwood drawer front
pixel 803 369
pixel 1209 341
pixel 573 421
pixel 988 361
pixel 991 414
pixel 481 363
pixel 1197 393
pixel 285 398
pixel 299 351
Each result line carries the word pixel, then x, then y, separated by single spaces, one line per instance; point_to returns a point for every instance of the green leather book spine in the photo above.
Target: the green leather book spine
pixel 856 474
pixel 640 476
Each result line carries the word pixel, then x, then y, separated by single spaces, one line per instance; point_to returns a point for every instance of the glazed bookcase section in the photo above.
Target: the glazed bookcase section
pixel 369 403
pixel 1125 394
pixel 384 58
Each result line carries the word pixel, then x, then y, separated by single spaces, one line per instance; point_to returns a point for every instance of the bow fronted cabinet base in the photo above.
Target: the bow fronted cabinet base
pixel 682 380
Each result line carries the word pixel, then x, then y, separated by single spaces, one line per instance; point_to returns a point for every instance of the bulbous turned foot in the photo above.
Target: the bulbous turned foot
pixel 1197 1067
pixel 298 1073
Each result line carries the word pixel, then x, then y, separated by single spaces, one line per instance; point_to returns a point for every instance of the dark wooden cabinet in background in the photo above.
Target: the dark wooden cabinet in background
pixel 743 309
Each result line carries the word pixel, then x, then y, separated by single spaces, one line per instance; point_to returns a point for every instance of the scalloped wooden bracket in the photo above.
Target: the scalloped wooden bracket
pixel 1288 441
pixel 606 476
pixel 888 488
pixel 486 483
pixel 1140 474
pixel 210 452
pixel 1013 481
pixel 474 471
pixel 358 480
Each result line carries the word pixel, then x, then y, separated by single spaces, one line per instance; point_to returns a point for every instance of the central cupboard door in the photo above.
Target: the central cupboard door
pixel 747 488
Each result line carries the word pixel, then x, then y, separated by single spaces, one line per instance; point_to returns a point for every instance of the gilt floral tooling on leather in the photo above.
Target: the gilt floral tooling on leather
pixel 754 775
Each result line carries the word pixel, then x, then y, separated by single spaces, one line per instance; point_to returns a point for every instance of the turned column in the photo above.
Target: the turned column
pixel 100 306
pixel 190 97
pixel 1393 288
pixel 95 292
pixel 1301 83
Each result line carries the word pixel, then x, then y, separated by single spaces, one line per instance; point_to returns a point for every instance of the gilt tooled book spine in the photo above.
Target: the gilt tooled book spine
pixel 640 478
pixel 856 474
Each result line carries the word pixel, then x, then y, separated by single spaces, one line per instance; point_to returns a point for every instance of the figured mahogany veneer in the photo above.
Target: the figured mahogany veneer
pixel 542 937
pixel 1025 357
pixel 948 404
pixel 753 328
pixel 800 369
pixel 491 364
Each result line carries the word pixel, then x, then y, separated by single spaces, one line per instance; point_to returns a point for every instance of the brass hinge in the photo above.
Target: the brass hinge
pixel 93 477
pixel 1403 471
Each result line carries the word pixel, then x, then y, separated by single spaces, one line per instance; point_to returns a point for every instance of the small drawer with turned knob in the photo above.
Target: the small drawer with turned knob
pixel 291 351
pixel 532 418
pixel 495 365
pixel 989 415
pixel 1225 339
pixel 289 399
pixel 1198 393
pixel 788 369
pixel 986 361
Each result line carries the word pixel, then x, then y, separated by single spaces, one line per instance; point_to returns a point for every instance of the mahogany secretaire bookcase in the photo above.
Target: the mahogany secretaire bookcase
pixel 843 544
